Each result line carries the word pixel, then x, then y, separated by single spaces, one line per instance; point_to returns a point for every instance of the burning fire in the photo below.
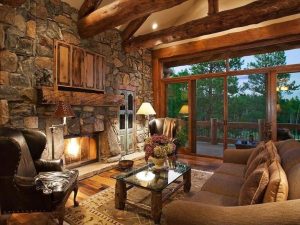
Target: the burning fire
pixel 73 147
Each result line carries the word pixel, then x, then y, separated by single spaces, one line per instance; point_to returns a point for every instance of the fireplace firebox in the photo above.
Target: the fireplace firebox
pixel 80 150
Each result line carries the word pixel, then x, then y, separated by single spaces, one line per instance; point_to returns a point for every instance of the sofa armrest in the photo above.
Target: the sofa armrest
pixel 239 156
pixel 193 213
pixel 42 165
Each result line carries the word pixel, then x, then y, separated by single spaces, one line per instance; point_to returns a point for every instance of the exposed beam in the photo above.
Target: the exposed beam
pixel 253 13
pixel 13 3
pixel 213 7
pixel 87 7
pixel 259 47
pixel 132 27
pixel 229 41
pixel 120 12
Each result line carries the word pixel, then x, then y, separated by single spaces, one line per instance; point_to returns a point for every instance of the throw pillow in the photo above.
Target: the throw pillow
pixel 253 190
pixel 259 148
pixel 278 188
pixel 268 155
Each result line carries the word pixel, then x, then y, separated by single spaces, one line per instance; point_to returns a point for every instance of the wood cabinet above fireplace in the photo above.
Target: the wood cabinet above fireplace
pixel 76 67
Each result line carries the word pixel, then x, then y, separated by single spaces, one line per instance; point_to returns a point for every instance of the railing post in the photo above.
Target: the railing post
pixel 261 129
pixel 213 131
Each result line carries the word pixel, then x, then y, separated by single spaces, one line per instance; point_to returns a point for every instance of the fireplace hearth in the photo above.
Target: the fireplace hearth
pixel 80 150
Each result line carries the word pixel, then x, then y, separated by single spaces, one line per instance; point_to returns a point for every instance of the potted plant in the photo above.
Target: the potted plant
pixel 158 148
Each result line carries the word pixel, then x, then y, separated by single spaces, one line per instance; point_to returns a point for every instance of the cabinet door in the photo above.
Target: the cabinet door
pixel 100 72
pixel 90 70
pixel 63 65
pixel 77 67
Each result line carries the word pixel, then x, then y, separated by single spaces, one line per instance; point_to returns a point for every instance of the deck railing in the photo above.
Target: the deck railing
pixel 212 131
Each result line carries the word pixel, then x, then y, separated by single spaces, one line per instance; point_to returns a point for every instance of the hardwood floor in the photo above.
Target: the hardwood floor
pixel 97 183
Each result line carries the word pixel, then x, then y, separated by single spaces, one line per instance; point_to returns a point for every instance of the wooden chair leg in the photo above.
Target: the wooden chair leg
pixel 75 195
pixel 61 216
pixel 4 219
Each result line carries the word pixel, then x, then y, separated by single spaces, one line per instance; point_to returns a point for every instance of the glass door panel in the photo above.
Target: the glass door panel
pixel 246 110
pixel 177 107
pixel 210 116
pixel 288 106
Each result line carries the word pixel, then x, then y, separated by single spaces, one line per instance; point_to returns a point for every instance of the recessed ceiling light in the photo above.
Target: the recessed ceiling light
pixel 154 26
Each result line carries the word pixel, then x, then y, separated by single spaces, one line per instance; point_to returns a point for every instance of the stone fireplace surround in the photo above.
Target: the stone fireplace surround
pixel 26 64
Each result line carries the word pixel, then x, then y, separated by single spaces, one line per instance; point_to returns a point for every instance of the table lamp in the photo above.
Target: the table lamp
pixel 63 110
pixel 147 110
pixel 184 109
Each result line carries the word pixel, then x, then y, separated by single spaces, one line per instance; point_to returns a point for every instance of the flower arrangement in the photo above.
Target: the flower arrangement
pixel 158 146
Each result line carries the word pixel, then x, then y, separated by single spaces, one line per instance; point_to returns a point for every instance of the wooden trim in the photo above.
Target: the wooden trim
pixel 213 7
pixel 252 13
pixel 233 40
pixel 278 69
pixel 225 113
pixel 157 84
pixel 192 116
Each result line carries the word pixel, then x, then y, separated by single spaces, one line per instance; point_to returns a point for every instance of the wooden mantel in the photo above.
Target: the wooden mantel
pixel 51 96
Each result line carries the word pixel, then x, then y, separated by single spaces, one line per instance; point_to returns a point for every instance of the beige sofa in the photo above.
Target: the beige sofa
pixel 217 202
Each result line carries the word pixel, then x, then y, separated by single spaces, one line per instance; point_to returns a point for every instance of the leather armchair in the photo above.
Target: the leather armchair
pixel 21 167
pixel 156 126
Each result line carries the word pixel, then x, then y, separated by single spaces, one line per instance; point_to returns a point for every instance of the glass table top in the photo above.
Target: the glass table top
pixel 148 178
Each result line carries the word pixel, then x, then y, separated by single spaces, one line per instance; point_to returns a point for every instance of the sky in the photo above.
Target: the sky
pixel 292 57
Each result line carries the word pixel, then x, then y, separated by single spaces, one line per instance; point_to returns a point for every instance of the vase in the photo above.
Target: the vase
pixel 159 163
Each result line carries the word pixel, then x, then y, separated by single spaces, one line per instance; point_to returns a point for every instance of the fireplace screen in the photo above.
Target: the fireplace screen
pixel 80 150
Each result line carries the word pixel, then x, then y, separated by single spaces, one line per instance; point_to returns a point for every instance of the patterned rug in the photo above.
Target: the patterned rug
pixel 99 209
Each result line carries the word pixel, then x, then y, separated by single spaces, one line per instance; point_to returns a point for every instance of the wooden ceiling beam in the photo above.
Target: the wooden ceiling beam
pixel 132 27
pixel 87 7
pixel 257 47
pixel 13 3
pixel 253 13
pixel 191 49
pixel 213 7
pixel 120 12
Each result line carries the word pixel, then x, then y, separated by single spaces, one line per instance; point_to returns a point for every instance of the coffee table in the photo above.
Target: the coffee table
pixel 155 182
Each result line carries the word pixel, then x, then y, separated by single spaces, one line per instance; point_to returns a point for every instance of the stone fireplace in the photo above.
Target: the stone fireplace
pixel 27 35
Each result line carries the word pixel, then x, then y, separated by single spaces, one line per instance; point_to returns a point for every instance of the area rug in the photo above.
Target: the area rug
pixel 99 209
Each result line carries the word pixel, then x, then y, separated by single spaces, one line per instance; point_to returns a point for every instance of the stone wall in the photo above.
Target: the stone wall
pixel 26 64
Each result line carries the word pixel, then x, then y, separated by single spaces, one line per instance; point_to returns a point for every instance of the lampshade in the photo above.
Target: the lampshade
pixel 63 109
pixel 146 109
pixel 184 109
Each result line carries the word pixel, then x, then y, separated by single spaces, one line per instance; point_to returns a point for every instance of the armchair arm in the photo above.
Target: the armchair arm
pixel 193 213
pixel 239 156
pixel 42 165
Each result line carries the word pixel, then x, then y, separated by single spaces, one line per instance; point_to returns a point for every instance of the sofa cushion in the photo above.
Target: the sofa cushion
pixel 224 184
pixel 277 189
pixel 210 198
pixel 287 145
pixel 252 191
pixel 231 169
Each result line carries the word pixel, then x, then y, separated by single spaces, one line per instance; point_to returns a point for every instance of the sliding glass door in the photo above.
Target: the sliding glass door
pixel 210 117
pixel 288 106
pixel 246 110
pixel 177 107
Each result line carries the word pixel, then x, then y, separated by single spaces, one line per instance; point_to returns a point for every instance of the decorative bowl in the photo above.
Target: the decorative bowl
pixel 125 164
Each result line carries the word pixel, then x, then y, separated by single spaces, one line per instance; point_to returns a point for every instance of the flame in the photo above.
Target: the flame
pixel 73 147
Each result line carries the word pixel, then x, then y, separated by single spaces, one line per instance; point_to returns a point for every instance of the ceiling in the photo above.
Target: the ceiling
pixel 187 11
